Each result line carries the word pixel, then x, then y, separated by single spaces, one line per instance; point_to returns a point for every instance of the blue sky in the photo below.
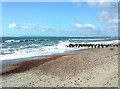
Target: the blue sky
pixel 81 19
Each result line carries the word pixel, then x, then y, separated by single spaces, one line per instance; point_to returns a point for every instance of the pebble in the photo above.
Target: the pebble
pixel 75 81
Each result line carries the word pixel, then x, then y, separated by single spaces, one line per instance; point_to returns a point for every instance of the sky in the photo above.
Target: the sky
pixel 61 19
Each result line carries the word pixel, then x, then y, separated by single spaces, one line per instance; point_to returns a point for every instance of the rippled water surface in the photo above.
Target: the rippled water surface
pixel 25 47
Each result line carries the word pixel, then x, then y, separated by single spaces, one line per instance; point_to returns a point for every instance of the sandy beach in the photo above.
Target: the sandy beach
pixel 93 68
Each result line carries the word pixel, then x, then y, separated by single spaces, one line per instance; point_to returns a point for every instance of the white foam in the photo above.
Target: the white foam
pixel 9 41
pixel 100 42
pixel 61 47
pixel 86 39
pixel 31 52
pixel 106 42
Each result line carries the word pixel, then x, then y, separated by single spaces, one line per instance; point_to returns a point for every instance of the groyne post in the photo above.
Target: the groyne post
pixel 93 45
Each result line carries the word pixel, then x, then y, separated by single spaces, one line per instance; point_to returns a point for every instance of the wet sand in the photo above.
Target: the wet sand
pixel 95 68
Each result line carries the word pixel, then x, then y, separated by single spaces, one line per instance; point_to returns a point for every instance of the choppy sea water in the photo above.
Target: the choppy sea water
pixel 35 47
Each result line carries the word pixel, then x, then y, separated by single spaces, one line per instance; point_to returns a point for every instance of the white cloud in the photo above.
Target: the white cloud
pixel 44 28
pixel 86 26
pixel 112 30
pixel 107 6
pixel 12 25
pixel 24 26
pixel 112 27
pixel 112 20
pixel 35 27
pixel 110 11
pixel 50 29
pixel 107 17
pixel 94 0
pixel 84 30
pixel 28 26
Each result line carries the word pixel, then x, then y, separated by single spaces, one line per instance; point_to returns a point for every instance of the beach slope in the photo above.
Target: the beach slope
pixel 93 68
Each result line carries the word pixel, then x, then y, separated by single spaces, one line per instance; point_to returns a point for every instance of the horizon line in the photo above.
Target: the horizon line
pixel 59 36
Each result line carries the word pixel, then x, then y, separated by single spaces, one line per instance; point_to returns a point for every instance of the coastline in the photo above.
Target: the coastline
pixel 69 70
pixel 24 65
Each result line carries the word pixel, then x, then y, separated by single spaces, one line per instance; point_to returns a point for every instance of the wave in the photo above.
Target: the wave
pixel 61 47
pixel 9 41
pixel 86 39
pixel 106 42
pixel 100 42
pixel 30 40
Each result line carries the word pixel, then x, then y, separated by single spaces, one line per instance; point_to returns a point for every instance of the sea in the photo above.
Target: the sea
pixel 26 48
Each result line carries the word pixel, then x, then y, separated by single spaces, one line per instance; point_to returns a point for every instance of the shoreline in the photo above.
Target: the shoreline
pixel 79 69
pixel 27 65
pixel 8 62
pixel 21 66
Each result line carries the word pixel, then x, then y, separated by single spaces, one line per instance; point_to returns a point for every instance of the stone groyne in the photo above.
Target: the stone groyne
pixel 93 45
